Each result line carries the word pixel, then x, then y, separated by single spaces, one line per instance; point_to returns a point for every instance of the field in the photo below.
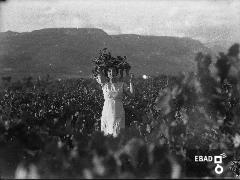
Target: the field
pixel 51 128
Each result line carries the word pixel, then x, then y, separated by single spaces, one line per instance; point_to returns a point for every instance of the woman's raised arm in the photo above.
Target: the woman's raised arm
pixel 129 90
pixel 101 79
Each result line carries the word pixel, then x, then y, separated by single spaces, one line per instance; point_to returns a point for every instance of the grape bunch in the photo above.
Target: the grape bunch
pixel 105 60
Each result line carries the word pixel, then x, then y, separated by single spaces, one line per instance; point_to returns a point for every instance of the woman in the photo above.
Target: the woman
pixel 113 115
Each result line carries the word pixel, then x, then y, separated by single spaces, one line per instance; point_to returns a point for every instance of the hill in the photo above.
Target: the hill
pixel 68 52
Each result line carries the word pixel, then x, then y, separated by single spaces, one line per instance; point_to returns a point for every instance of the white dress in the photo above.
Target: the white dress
pixel 113 115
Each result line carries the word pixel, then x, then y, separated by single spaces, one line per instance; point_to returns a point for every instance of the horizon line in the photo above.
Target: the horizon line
pixel 144 35
pixel 76 28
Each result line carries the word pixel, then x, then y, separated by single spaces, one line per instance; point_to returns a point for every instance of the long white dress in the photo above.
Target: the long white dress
pixel 113 115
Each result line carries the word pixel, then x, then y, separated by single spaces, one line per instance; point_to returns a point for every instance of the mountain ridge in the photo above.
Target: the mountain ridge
pixel 68 51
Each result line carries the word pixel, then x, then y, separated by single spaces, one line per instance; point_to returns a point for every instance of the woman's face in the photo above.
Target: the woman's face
pixel 112 73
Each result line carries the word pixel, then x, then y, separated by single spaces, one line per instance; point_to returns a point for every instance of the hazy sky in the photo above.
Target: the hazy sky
pixel 206 20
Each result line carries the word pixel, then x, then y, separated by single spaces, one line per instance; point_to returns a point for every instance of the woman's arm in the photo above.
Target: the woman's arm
pixel 101 79
pixel 129 90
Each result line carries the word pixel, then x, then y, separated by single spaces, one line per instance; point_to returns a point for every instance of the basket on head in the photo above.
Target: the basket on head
pixel 106 61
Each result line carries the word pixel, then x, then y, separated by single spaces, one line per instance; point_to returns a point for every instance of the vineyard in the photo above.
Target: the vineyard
pixel 51 129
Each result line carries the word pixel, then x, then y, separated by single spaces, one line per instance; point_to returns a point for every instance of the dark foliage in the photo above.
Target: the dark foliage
pixel 51 129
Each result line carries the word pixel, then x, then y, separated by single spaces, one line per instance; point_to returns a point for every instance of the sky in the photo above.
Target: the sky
pixel 205 20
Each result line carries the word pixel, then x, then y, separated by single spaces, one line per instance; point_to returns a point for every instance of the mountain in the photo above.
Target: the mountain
pixel 69 51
